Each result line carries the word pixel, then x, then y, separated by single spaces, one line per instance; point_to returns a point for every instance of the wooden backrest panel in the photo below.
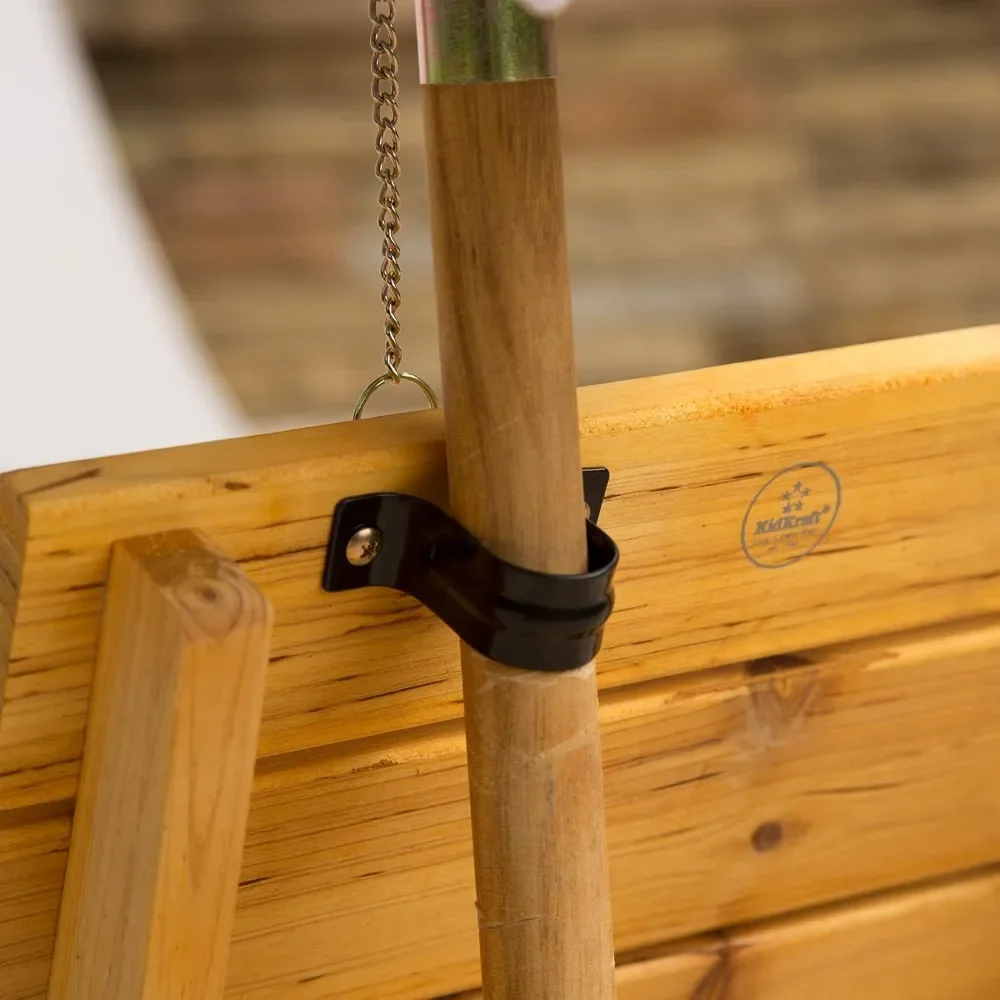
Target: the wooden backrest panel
pixel 907 433
pixel 813 503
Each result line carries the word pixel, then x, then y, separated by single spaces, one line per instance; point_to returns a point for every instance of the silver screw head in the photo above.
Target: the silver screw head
pixel 586 510
pixel 364 546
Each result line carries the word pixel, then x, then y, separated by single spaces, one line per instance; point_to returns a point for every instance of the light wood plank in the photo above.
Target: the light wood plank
pixel 935 944
pixel 731 796
pixel 929 943
pixel 911 428
pixel 150 891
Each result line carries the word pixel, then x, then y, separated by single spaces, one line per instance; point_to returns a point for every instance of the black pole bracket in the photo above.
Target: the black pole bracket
pixel 514 616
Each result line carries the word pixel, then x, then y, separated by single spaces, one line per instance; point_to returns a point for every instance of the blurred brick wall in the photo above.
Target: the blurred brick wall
pixel 744 178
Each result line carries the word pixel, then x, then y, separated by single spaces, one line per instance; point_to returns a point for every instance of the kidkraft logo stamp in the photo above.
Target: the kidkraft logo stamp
pixel 791 515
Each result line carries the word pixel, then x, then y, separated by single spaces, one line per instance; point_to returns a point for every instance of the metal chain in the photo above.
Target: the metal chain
pixel 385 93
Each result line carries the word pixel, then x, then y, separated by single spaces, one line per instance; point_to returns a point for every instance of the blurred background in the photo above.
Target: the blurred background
pixel 744 178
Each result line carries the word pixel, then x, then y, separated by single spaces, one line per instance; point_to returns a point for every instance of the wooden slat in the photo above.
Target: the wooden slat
pixel 150 891
pixel 930 943
pixel 732 795
pixel 936 944
pixel 911 429
pixel 34 861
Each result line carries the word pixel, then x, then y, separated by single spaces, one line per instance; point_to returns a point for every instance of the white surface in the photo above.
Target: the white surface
pixel 546 8
pixel 96 356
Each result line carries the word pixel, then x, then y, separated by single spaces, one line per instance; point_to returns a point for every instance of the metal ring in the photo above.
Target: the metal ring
pixel 374 387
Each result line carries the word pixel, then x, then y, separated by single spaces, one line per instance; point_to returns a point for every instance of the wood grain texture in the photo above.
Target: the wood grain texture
pixel 934 942
pixel 157 841
pixel 911 429
pixel 512 439
pixel 732 795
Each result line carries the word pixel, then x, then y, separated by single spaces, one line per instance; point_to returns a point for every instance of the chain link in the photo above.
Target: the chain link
pixel 385 93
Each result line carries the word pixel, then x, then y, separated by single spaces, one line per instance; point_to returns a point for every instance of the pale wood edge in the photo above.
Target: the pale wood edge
pixel 744 388
pixel 13 540
pixel 174 607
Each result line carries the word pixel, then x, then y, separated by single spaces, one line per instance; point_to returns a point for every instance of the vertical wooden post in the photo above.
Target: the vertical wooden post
pixel 161 810
pixel 514 466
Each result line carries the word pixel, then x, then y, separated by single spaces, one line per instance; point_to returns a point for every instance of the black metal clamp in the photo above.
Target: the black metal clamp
pixel 514 616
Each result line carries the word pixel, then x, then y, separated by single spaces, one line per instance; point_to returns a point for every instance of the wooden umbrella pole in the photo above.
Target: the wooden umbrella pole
pixel 493 148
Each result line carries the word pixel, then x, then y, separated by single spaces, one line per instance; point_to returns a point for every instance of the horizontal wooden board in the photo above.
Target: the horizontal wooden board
pixel 909 432
pixel 935 942
pixel 732 795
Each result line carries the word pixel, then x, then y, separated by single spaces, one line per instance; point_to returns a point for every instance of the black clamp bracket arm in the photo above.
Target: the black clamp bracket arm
pixel 513 616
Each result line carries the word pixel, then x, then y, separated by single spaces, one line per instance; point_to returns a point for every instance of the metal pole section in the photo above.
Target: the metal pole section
pixel 482 41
